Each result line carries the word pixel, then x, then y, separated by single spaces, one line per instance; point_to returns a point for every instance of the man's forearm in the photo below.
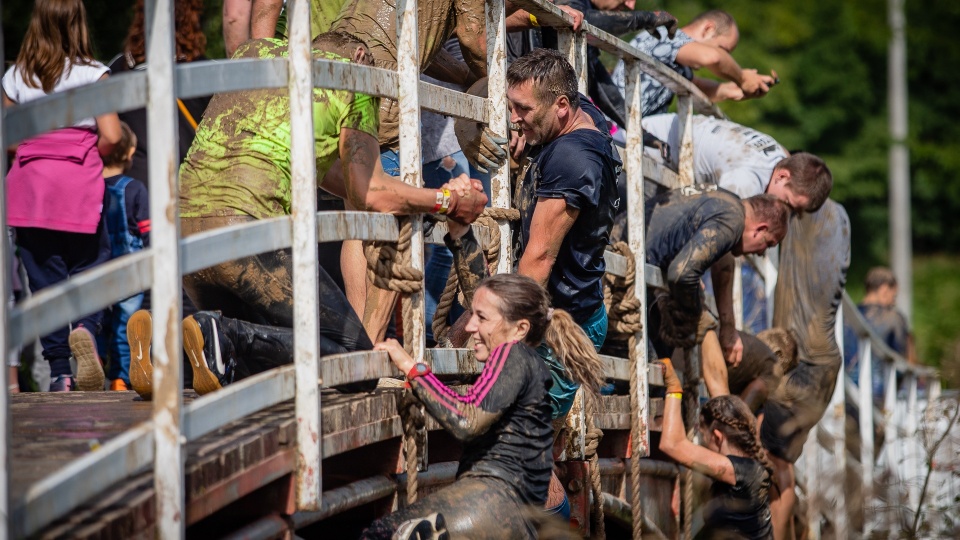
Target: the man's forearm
pixel 714 366
pixel 722 277
pixel 537 267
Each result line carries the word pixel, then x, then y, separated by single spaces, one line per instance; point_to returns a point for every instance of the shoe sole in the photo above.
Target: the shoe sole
pixel 90 376
pixel 204 380
pixel 139 334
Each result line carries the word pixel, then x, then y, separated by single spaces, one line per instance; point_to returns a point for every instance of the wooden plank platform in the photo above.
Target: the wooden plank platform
pixel 222 467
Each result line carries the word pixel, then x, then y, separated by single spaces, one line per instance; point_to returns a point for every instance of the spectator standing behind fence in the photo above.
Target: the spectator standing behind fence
pixel 127 210
pixel 705 42
pixel 190 45
pixel 54 187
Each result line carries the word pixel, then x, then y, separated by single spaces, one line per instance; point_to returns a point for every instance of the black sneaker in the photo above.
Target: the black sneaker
pixel 210 352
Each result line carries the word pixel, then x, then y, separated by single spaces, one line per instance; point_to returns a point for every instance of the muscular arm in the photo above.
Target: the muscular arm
pixel 705 248
pixel 552 220
pixel 470 30
pixel 469 262
pixel 236 24
pixel 264 15
pixel 722 276
pixel 446 68
pixel 366 187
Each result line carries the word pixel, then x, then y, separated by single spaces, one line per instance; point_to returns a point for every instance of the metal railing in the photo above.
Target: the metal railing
pixel 160 441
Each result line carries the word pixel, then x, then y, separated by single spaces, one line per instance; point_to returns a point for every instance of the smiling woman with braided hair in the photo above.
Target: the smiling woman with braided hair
pixel 739 506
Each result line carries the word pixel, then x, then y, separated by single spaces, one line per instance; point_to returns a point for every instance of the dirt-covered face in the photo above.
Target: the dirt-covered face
pixel 539 121
pixel 488 327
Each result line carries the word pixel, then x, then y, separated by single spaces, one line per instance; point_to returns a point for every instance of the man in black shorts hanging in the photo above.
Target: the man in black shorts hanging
pixel 808 293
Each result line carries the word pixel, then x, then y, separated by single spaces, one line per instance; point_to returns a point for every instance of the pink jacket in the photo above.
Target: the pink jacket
pixel 56 182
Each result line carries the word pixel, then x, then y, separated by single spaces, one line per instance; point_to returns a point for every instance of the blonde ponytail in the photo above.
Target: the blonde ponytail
pixel 575 351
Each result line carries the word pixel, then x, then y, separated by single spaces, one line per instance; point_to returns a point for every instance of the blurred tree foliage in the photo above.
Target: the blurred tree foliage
pixel 832 60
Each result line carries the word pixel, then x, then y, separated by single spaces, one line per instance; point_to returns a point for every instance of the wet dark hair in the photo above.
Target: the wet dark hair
pixel 722 20
pixel 772 211
pixel 733 418
pixel 809 177
pixel 551 73
pixel 121 150
pixel 523 298
pixel 879 276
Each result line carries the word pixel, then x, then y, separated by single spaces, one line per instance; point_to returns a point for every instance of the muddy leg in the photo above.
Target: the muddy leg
pixel 353 265
pixel 783 498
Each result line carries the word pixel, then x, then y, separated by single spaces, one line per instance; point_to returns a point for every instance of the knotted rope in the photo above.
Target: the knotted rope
pixel 411 414
pixel 389 267
pixel 592 440
pixel 623 310
pixel 488 223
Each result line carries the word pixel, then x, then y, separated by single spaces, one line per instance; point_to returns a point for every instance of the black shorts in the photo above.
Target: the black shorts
pixel 782 433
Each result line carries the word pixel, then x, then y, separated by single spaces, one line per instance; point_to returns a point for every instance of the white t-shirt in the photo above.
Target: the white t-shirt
pixel 725 153
pixel 74 75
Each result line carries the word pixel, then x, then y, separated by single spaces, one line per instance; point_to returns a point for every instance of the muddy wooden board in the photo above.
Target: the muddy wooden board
pixel 49 430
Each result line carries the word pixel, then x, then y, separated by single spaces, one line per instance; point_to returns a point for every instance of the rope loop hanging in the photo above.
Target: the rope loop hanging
pixel 592 440
pixel 414 438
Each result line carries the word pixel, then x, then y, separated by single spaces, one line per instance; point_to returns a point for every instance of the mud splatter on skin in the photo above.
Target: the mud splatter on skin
pixel 375 23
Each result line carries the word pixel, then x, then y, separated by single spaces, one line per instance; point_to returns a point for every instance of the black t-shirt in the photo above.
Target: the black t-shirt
pixel 503 420
pixel 689 229
pixel 741 510
pixel 581 168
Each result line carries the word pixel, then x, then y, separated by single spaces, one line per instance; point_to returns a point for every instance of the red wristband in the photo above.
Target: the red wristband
pixel 418 370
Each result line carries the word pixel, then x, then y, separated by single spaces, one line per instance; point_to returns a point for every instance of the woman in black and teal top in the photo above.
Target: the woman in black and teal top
pixel 503 419
pixel 739 506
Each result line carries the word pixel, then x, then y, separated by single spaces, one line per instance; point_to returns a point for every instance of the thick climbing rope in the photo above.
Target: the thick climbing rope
pixel 411 414
pixel 388 263
pixel 389 268
pixel 623 310
pixel 691 406
pixel 592 442
pixel 488 223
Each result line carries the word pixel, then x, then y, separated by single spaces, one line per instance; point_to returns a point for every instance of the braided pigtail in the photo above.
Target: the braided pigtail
pixel 733 418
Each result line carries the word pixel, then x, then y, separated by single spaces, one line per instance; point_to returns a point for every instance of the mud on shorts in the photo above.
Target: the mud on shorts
pixel 782 433
pixel 259 289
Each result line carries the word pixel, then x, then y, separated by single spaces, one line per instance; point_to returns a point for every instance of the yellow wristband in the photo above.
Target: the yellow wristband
pixel 678 395
pixel 445 203
pixel 533 20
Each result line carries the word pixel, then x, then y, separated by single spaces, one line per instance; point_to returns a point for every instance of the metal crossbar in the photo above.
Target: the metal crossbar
pixel 160 441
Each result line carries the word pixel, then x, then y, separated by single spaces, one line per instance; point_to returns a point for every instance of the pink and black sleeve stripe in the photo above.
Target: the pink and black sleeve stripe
pixel 492 370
